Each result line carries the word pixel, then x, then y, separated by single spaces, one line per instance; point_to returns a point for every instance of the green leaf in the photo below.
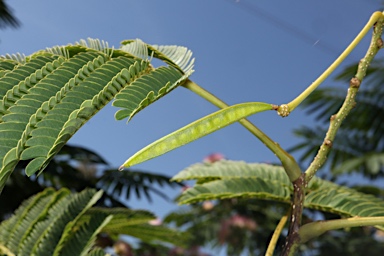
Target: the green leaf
pixel 196 130
pixel 47 96
pixel 227 179
pixel 230 179
pixel 237 187
pixel 135 223
pixel 150 233
pixel 37 225
pixel 146 90
pixel 15 229
pixel 178 57
pixel 205 172
pixel 61 223
pixel 59 217
pixel 122 218
pixel 78 239
pixel 373 162
pixel 97 252
pixel 136 48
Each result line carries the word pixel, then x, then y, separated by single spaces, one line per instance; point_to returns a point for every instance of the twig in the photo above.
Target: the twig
pixel 349 102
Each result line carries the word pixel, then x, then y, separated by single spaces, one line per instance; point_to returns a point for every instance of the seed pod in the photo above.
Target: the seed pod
pixel 196 130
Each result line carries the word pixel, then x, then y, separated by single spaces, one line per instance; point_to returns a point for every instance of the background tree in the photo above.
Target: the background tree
pixel 7 19
pixel 78 168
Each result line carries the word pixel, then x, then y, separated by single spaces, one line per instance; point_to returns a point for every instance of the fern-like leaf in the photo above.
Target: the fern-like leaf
pixel 178 57
pixel 97 252
pixel 61 223
pixel 139 95
pixel 25 217
pixel 135 223
pixel 122 217
pixel 150 233
pixel 78 239
pixel 229 179
pixel 38 225
pixel 75 206
pixel 46 97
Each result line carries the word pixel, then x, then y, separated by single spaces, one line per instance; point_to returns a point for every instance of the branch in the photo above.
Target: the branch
pixel 317 228
pixel 5 250
pixel 349 102
pixel 294 234
pixel 293 238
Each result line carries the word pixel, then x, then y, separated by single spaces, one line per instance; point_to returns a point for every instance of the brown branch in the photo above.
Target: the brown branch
pixel 293 238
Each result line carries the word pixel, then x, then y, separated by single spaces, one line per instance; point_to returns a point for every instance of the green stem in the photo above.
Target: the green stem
pixel 349 102
pixel 289 163
pixel 5 251
pixel 276 235
pixel 285 109
pixel 317 228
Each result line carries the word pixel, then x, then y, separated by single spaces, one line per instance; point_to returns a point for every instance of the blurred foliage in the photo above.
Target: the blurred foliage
pixel 7 19
pixel 238 225
pixel 78 168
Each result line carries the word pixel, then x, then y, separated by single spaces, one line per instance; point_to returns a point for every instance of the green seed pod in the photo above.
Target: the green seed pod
pixel 196 130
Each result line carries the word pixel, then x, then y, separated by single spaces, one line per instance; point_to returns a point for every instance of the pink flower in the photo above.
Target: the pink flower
pixel 155 222
pixel 208 205
pixel 242 222
pixel 213 158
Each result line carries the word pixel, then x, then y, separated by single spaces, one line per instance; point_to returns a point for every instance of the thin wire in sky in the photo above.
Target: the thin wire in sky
pixel 285 26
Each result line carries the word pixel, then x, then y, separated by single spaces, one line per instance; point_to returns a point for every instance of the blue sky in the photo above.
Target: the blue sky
pixel 245 51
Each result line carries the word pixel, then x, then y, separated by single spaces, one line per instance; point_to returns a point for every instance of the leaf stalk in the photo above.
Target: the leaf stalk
pixel 276 235
pixel 317 228
pixel 285 109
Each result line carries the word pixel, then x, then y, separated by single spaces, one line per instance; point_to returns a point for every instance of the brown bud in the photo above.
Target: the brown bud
pixel 328 143
pixel 379 43
pixel 355 82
